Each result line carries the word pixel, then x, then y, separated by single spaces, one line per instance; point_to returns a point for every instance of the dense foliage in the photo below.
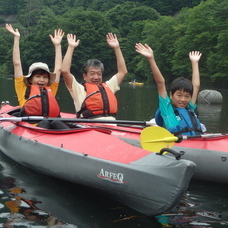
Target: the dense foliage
pixel 172 29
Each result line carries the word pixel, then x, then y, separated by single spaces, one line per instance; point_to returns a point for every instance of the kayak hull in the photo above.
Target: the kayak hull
pixel 149 183
pixel 209 155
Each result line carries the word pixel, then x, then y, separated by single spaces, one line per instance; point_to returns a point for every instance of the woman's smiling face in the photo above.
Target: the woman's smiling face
pixel 40 80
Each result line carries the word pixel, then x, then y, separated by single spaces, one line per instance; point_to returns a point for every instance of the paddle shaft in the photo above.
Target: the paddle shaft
pixel 40 118
pixel 180 138
pixel 185 137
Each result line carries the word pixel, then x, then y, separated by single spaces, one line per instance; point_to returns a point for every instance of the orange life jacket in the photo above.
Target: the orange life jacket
pixel 99 101
pixel 40 102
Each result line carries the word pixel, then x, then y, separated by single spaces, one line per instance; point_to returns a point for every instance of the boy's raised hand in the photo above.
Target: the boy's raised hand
pixel 144 50
pixel 194 56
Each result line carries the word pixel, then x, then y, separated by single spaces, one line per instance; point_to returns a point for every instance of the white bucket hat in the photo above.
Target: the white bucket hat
pixel 43 66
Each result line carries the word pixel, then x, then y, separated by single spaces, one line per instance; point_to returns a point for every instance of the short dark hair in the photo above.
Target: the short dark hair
pixel 93 63
pixel 181 83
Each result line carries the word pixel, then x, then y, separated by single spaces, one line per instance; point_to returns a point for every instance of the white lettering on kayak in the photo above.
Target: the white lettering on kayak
pixel 110 176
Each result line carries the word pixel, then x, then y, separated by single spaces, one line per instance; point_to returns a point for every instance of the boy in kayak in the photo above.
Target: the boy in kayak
pixel 176 111
pixel 36 91
pixel 94 99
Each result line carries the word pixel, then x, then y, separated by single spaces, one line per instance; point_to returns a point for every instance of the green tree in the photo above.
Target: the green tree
pixel 6 52
pixel 171 7
pixel 91 28
pixel 8 7
pixel 201 28
pixel 104 5
pixel 217 61
pixel 159 36
pixel 123 16
pixel 36 45
pixel 30 12
pixel 60 7
pixel 133 59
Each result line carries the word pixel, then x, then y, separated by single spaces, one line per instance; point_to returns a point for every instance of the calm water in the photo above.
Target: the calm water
pixel 48 202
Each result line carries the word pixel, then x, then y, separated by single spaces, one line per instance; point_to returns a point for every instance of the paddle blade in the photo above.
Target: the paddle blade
pixel 156 138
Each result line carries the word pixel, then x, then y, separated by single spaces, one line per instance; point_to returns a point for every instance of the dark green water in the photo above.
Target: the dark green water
pixel 55 203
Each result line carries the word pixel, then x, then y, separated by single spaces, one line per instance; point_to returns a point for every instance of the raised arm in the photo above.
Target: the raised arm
pixel 16 51
pixel 56 40
pixel 148 53
pixel 194 57
pixel 121 66
pixel 67 60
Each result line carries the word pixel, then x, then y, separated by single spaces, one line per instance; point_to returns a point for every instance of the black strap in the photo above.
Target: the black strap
pixel 44 102
pixel 105 99
pixel 197 130
pixel 27 92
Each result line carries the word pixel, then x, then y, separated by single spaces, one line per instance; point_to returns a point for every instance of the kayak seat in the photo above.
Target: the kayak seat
pixel 55 124
pixel 15 112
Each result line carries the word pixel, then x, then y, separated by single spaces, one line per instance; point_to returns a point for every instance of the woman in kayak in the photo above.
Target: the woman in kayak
pixel 36 91
pixel 176 111
pixel 94 99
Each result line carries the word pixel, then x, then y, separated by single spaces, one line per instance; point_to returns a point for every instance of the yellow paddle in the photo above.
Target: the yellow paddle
pixel 155 138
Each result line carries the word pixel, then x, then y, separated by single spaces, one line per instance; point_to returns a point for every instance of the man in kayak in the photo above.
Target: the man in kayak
pixel 94 99
pixel 36 91
pixel 176 111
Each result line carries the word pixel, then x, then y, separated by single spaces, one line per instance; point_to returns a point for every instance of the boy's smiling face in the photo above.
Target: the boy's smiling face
pixel 180 99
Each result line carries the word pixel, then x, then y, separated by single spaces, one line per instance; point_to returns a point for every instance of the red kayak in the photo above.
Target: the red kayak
pixel 92 155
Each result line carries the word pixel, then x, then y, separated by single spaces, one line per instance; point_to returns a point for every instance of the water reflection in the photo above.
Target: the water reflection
pixel 48 200
pixel 139 103
pixel 21 211
pixel 210 114
pixel 26 210
pixel 204 205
